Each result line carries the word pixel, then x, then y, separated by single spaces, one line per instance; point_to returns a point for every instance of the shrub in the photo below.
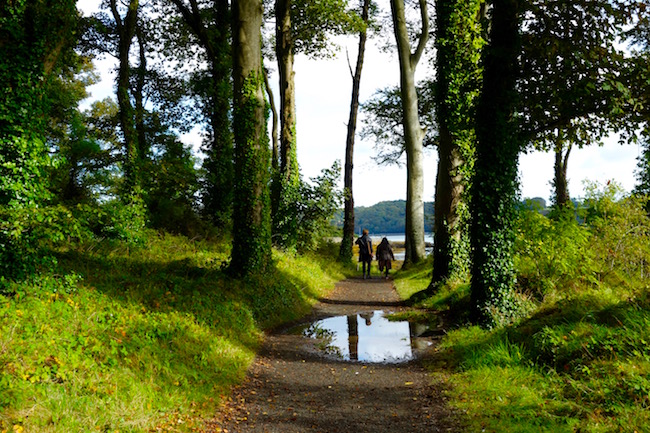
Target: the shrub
pixel 621 232
pixel 552 254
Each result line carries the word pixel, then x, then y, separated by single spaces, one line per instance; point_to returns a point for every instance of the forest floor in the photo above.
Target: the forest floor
pixel 292 388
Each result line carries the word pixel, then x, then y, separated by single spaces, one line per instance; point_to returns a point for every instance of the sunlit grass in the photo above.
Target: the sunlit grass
pixel 139 339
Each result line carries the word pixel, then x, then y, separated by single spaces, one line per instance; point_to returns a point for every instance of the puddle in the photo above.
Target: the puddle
pixel 367 337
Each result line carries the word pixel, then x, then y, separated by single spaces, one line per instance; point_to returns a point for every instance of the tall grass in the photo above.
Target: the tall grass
pixel 137 339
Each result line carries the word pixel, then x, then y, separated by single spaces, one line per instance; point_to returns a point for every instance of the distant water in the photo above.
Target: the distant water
pixel 399 238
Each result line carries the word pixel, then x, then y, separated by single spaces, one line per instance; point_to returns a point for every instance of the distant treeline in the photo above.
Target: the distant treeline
pixel 384 217
pixel 389 216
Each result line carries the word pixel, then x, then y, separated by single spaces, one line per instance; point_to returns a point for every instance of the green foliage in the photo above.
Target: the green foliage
pixel 577 357
pixel 35 41
pixel 315 22
pixel 621 230
pixel 383 121
pixel 316 207
pixel 306 211
pixel 128 219
pixel 170 184
pixel 23 191
pixel 552 254
pixel 140 339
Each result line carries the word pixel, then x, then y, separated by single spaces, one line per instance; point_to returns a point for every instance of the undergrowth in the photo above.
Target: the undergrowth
pixel 578 360
pixel 134 339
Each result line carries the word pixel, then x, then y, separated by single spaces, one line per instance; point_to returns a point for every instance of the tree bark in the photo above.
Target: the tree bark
pixel 560 181
pixel 458 41
pixel 284 52
pixel 345 252
pixel 287 181
pixel 450 187
pixel 275 152
pixel 495 187
pixel 219 160
pixel 413 131
pixel 143 148
pixel 251 245
pixel 126 31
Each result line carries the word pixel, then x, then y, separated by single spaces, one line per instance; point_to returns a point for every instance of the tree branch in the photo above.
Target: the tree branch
pixel 424 37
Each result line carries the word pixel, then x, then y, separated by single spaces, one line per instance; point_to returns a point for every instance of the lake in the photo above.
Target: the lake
pixel 398 238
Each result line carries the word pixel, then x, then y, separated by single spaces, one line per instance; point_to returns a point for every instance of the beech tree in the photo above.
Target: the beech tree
pixel 495 187
pixel 413 131
pixel 458 45
pixel 302 26
pixel 251 245
pixel 345 252
pixel 210 26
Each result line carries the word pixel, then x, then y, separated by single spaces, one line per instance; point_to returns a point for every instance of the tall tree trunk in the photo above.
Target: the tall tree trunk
pixel 560 181
pixel 251 245
pixel 275 153
pixel 495 187
pixel 458 41
pixel 450 186
pixel 215 40
pixel 221 148
pixel 285 188
pixel 125 33
pixel 345 252
pixel 143 148
pixel 413 131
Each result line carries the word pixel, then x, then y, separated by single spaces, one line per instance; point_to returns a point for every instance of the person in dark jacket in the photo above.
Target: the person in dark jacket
pixel 385 256
pixel 365 252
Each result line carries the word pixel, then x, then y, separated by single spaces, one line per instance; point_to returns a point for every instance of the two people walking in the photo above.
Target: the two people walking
pixel 385 254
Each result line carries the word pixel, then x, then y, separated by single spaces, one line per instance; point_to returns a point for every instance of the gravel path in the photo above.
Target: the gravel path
pixel 292 388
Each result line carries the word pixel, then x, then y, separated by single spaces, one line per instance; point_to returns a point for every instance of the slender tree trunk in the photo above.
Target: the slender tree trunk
pixel 275 153
pixel 345 252
pixel 560 181
pixel 287 183
pixel 215 40
pixel 251 245
pixel 284 53
pixel 495 187
pixel 139 96
pixel 413 131
pixel 126 32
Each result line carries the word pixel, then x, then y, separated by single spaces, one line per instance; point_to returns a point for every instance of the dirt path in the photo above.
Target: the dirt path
pixel 291 388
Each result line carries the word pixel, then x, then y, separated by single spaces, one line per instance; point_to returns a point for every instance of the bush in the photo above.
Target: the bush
pixel 552 254
pixel 621 233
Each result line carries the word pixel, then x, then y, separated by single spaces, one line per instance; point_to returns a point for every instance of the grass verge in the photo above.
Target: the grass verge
pixel 142 339
pixel 579 363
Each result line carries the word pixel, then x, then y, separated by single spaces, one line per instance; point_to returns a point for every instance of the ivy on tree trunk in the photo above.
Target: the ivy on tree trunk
pixel 458 45
pixel 495 186
pixel 251 245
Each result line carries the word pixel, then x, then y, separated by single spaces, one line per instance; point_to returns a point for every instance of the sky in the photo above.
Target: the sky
pixel 323 92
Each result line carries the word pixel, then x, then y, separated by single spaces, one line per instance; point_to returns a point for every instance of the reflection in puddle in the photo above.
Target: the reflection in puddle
pixel 367 337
